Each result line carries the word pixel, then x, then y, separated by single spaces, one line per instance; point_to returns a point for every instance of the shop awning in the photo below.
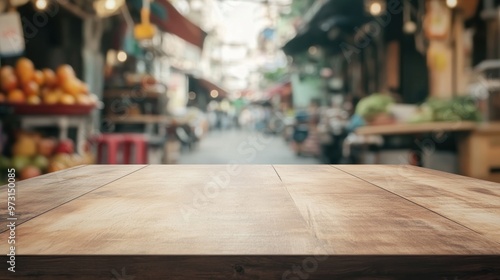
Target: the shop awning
pixel 211 86
pixel 342 15
pixel 282 89
pixel 321 35
pixel 179 25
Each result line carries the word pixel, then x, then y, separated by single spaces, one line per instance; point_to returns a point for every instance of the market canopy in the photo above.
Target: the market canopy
pixel 320 34
pixel 209 86
pixel 282 89
pixel 179 25
pixel 168 19
pixel 341 15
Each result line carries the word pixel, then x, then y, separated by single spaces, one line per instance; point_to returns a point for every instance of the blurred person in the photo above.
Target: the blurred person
pixel 245 119
pixel 305 131
pixel 212 114
pixel 332 129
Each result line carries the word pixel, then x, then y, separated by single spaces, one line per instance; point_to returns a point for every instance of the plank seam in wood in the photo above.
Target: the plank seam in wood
pixel 277 173
pixel 439 214
pixel 295 204
pixel 35 216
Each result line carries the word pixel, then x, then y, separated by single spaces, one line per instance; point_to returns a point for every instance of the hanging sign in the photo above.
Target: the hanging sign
pixel 11 34
pixel 437 22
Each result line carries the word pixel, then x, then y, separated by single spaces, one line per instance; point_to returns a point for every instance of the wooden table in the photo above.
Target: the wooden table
pixel 254 222
pixel 478 143
pixel 417 128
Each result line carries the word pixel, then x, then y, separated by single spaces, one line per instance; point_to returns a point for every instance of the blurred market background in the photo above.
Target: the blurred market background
pixel 250 81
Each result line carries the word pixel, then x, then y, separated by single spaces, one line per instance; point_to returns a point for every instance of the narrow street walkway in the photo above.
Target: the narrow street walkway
pixel 243 147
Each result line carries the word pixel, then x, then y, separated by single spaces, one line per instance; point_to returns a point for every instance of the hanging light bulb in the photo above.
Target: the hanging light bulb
pixel 41 5
pixel 110 4
pixel 375 7
pixel 122 56
pixel 451 3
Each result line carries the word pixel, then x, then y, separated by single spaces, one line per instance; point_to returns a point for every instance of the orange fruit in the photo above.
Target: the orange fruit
pixel 16 96
pixel 6 70
pixel 39 78
pixel 8 82
pixel 65 72
pixel 50 77
pixel 71 86
pixel 31 88
pixel 67 99
pixel 51 97
pixel 25 70
pixel 34 100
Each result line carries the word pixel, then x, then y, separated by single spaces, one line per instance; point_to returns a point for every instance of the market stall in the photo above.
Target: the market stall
pixel 38 109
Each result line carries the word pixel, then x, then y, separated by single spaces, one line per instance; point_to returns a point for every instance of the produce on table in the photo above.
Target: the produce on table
pixel 8 79
pixel 26 85
pixel 65 147
pixel 20 162
pixel 31 88
pixel 34 100
pixel 49 77
pixel 39 78
pixel 41 162
pixel 34 155
pixel 25 70
pixel 29 171
pixel 462 108
pixel 25 145
pixel 371 107
pixel 16 96
pixel 46 146
pixel 5 163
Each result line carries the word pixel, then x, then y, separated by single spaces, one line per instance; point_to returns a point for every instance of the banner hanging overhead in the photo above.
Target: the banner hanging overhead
pixel 11 35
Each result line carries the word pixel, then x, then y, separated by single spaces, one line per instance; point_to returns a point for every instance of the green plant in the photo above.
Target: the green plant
pixel 373 105
pixel 462 108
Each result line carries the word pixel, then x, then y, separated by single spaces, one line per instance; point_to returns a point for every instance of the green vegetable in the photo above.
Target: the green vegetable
pixel 461 108
pixel 373 105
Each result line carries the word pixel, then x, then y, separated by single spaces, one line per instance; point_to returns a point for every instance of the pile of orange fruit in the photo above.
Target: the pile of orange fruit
pixel 23 84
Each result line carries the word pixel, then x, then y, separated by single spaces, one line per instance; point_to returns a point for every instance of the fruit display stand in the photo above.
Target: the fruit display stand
pixel 33 100
pixel 33 154
pixel 63 117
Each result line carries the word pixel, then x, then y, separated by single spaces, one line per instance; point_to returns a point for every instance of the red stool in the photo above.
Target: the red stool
pixel 121 142
pixel 138 143
pixel 112 143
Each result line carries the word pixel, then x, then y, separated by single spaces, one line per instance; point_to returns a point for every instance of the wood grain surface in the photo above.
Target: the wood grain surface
pixel 257 222
pixel 474 204
pixel 39 195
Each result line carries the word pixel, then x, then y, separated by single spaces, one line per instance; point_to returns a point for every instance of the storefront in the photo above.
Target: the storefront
pixel 89 71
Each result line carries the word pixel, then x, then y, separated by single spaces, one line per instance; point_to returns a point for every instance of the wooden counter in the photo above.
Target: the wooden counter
pixel 254 222
pixel 478 144
pixel 417 128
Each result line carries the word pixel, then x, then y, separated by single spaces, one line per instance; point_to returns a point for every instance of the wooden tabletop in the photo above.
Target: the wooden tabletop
pixel 255 222
pixel 406 128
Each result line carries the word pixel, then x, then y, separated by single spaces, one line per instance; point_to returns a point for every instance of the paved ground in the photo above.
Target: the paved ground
pixel 237 146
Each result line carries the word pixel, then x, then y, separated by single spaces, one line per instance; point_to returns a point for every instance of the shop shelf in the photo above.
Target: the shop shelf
pixel 45 109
